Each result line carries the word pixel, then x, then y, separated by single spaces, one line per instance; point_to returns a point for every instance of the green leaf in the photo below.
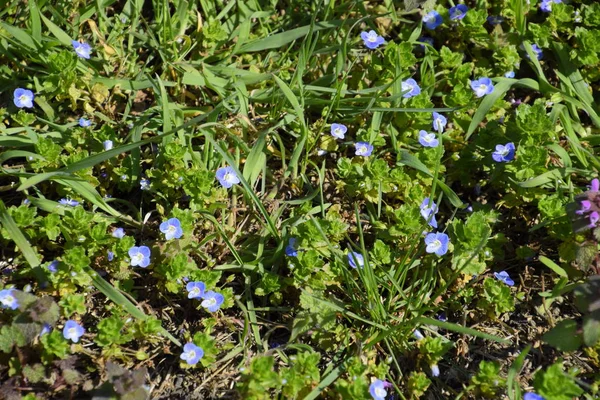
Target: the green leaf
pixel 17 236
pixel 564 336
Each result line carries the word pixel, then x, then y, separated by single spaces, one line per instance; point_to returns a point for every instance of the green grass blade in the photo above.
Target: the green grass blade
pixel 17 236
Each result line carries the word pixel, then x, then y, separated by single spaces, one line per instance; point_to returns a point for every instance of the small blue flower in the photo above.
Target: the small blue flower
pixel 227 177
pixel 363 149
pixel 290 249
pixel 428 139
pixel 377 389
pixel 73 331
pixel 432 20
pixel 509 74
pixel 439 122
pixel 82 50
pixel 118 233
pixel 145 184
pixel 84 123
pixel 110 255
pixel 425 39
pixel 418 335
pixel 45 329
pixel 532 396
pixel 8 299
pixel 212 301
pixel 23 98
pixel 504 153
pixel 503 276
pixel 53 266
pixel 539 53
pixel 435 370
pixel 171 228
pixel 191 354
pixel 356 260
pixel 495 20
pixel 482 86
pixel 371 39
pixel 437 243
pixel 107 144
pixel 458 12
pixel 546 5
pixel 442 317
pixel 69 202
pixel 428 211
pixel 140 256
pixel 195 289
pixel 410 88
pixel 338 131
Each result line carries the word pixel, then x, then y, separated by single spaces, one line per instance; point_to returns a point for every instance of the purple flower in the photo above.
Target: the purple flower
pixel 482 86
pixel 23 98
pixel 73 331
pixel 458 12
pixel 290 249
pixel 191 353
pixel 586 206
pixel 363 149
pixel 118 233
pixel 227 177
pixel 140 256
pixel 503 276
pixel 504 153
pixel 410 88
pixel 439 122
pixel 594 218
pixel 432 20
pixel 546 5
pixel 195 289
pixel 68 202
pixel 371 39
pixel 171 228
pixel 510 74
pixel 495 20
pixel 8 299
pixel 595 185
pixel 356 260
pixel 84 123
pixel 338 131
pixel 428 139
pixel 377 389
pixel 53 266
pixel 212 301
pixel 428 211
pixel 437 243
pixel 82 50
pixel 532 396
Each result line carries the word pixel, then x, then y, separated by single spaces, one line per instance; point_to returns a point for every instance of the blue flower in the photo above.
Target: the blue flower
pixel 290 249
pixel 53 266
pixel 84 123
pixel 45 329
pixel 482 86
pixel 371 39
pixel 356 260
pixel 458 12
pixel 495 20
pixel 227 177
pixel 82 50
pixel 377 389
pixel 425 39
pixel 435 370
pixel 118 233
pixel 171 228
pixel 107 144
pixel 439 122
pixel 532 396
pixel 428 211
pixel 195 289
pixel 68 202
pixel 338 131
pixel 418 335
pixel 8 299
pixel 110 255
pixel 428 139
pixel 145 184
pixel 191 353
pixel 437 243
pixel 432 20
pixel 504 153
pixel 73 331
pixel 140 256
pixel 410 88
pixel 546 5
pixel 363 149
pixel 212 301
pixel 509 74
pixel 539 53
pixel 502 276
pixel 23 98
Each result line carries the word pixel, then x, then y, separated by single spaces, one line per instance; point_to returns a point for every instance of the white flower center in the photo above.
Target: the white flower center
pixel 338 131
pixel 138 258
pixel 436 244
pixel 191 354
pixel 8 300
pixel 380 392
pixel 72 332
pixel 229 177
pixel 23 98
pixel 407 87
pixel 482 87
pixel 438 123
pixel 195 291
pixel 211 302
pixel 372 37
pixel 361 150
pixel 171 229
pixel 503 152
pixel 429 137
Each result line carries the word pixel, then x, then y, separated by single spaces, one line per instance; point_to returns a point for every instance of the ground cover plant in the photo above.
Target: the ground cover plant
pixel 325 199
